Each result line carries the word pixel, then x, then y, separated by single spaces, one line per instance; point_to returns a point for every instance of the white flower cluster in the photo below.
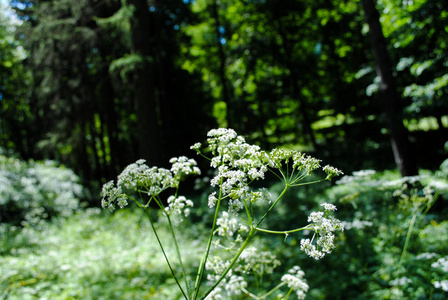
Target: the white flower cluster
pixel 178 205
pixel 112 195
pixel 357 224
pixel 239 163
pixel 441 285
pixel 442 264
pixel 251 260
pixel 400 281
pixel 183 166
pixel 141 178
pixel 233 284
pixel 228 226
pixel 295 280
pixel 331 172
pixel 257 262
pixel 324 227
pixel 138 176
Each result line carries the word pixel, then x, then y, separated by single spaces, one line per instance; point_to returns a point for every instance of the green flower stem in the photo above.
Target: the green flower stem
pixel 287 295
pixel 209 243
pixel 429 204
pixel 283 232
pixel 164 253
pixel 249 214
pixel 305 183
pixel 408 236
pixel 233 262
pixel 173 235
pixel 272 206
pixel 281 284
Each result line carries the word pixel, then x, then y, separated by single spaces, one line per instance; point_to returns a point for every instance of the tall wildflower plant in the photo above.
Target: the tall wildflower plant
pixel 235 222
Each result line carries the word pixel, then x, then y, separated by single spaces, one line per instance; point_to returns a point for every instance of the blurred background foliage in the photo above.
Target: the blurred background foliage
pixel 89 86
pixel 99 84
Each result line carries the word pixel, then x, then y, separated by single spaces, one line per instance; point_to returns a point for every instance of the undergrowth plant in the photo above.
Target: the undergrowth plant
pixel 31 192
pixel 229 256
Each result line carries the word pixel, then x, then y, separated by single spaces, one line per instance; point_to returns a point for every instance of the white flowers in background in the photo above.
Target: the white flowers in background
pixel 356 224
pixel 441 285
pixel 324 227
pixel 178 205
pixel 426 256
pixel 400 281
pixel 262 194
pixel 232 284
pixel 235 285
pixel 295 281
pixel 442 264
pixel 258 262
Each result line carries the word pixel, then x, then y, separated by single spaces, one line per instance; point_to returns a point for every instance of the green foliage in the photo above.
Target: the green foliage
pixel 94 255
pixel 88 256
pixel 34 191
pixel 393 241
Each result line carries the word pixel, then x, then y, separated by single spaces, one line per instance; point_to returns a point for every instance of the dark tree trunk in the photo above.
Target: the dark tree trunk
pixel 142 39
pixel 389 97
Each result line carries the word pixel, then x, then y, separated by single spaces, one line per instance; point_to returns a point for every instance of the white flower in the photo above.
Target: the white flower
pixel 227 226
pixel 197 147
pixel 324 228
pixel 112 195
pixel 212 200
pixel 295 280
pixel 441 263
pixel 331 172
pixel 400 281
pixel 328 206
pixel 183 166
pixel 257 262
pixel 441 285
pixel 178 205
pixel 310 249
pixel 235 285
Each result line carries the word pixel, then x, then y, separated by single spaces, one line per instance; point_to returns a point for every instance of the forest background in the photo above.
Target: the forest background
pixel 97 84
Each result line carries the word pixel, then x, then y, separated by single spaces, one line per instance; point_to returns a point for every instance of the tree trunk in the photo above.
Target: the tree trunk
pixel 388 95
pixel 142 39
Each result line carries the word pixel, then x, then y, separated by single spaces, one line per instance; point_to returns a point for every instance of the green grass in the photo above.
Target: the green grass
pixel 92 255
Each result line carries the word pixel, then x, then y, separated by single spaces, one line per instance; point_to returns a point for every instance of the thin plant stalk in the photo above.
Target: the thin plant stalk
pixel 272 206
pixel 173 235
pixel 164 254
pixel 209 243
pixel 232 263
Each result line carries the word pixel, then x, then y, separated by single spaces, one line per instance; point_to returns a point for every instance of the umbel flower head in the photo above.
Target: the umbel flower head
pixel 324 227
pixel 138 177
pixel 296 281
pixel 238 164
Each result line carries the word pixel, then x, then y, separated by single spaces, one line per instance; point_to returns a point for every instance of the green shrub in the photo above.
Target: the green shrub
pixel 34 191
pixel 395 244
